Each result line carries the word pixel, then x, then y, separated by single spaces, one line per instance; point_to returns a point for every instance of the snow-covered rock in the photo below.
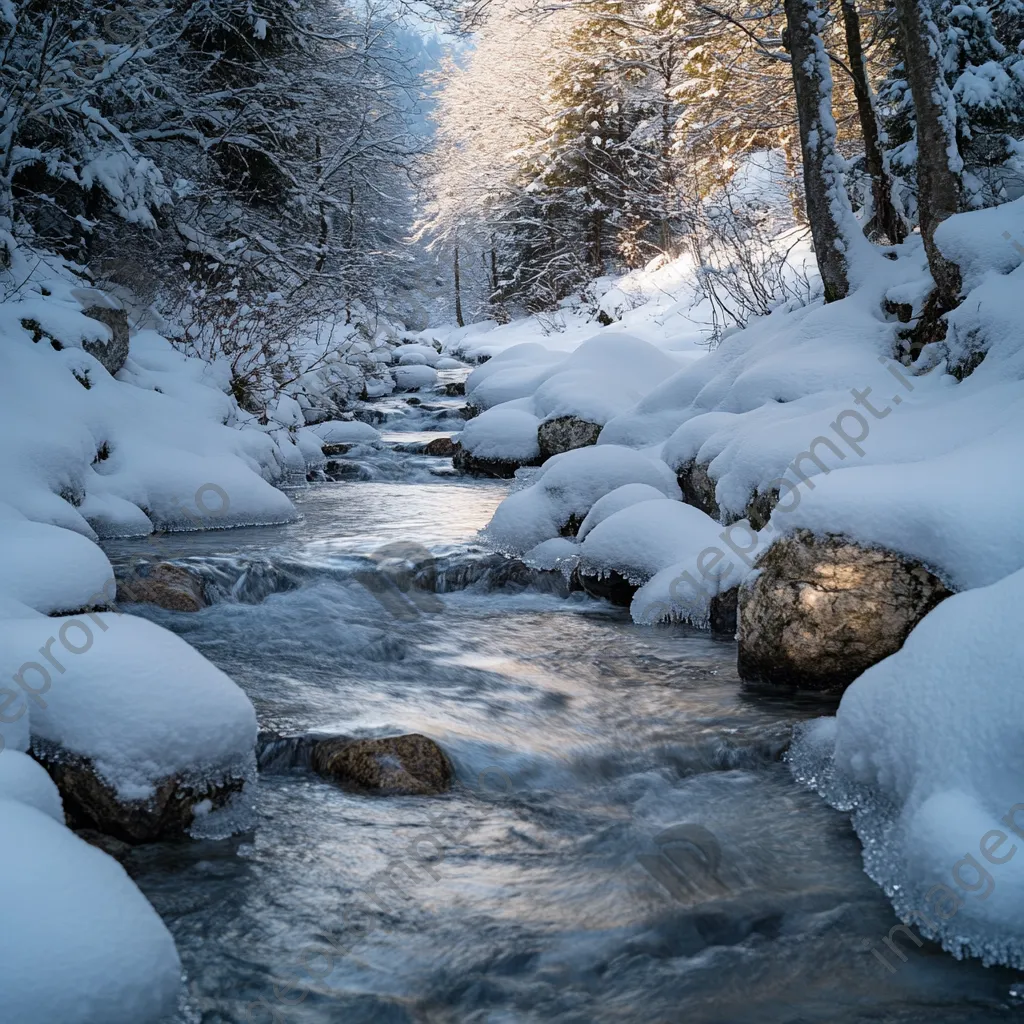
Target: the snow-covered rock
pixel 416 355
pixel 345 432
pixel 23 779
pixel 155 726
pixel 414 378
pixel 498 442
pixel 566 488
pixel 926 752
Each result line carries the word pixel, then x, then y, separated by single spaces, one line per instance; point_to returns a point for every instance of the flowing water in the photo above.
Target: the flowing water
pixel 546 886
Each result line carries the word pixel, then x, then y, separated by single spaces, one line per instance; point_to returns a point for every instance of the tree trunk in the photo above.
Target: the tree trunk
pixel 886 219
pixel 939 165
pixel 828 205
pixel 458 291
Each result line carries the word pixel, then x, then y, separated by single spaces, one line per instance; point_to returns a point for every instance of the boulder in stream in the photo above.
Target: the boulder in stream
pixel 92 804
pixel 823 609
pixel 443 447
pixel 411 765
pixel 173 587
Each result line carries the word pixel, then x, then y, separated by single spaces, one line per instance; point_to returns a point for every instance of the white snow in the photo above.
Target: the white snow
pixel 926 751
pixel 345 432
pixel 568 485
pixel 416 355
pixel 135 698
pixel 640 540
pixel 79 943
pixel 503 433
pixel 414 378
pixel 616 501
pixel 25 780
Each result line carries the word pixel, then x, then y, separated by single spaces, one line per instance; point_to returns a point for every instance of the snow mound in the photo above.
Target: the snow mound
pixel 567 487
pixel 130 695
pixel 345 432
pixel 79 944
pixel 414 378
pixel 416 355
pixel 502 433
pixel 926 751
pixel 616 501
pixel 604 376
pixel 640 540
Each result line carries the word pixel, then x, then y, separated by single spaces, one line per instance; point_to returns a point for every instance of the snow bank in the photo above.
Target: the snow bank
pixel 607 374
pixel 566 487
pixel 926 751
pixel 79 943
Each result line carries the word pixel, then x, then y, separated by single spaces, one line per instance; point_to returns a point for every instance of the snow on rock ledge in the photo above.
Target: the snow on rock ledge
pixel 926 751
pixel 79 943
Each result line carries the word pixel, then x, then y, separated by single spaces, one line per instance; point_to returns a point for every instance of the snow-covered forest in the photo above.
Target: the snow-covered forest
pixel 581 440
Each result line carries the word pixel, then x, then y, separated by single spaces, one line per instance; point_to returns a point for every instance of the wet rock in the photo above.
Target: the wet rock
pixel 564 434
pixel 612 587
pixel 413 401
pixel 115 848
pixel 492 572
pixel 113 353
pixel 454 389
pixel 442 447
pixel 822 610
pixel 698 488
pixel 333 450
pixel 411 765
pixel 759 509
pixel 91 803
pixel 723 614
pixel 337 469
pixel 173 587
pixel 471 465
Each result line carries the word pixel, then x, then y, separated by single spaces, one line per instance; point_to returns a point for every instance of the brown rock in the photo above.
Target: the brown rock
pixel 822 610
pixel 412 765
pixel 331 450
pixel 443 447
pixel 565 433
pixel 90 803
pixel 168 586
pixel 455 388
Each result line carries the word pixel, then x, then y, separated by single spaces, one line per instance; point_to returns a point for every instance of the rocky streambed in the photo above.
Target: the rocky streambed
pixel 617 837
